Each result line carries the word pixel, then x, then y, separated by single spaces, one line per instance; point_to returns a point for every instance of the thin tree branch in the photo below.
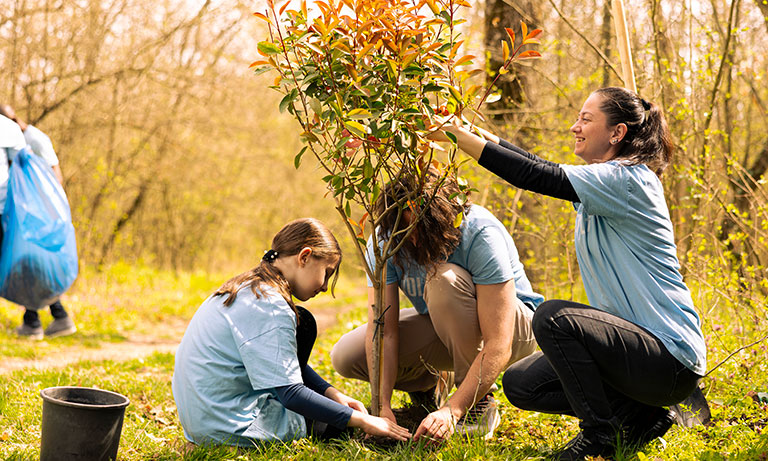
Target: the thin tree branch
pixel 588 42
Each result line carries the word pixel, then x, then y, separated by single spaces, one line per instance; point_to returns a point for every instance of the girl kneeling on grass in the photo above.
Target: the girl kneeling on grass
pixel 241 370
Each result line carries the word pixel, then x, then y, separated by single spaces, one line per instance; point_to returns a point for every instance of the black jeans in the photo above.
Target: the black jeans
pixel 306 334
pixel 32 318
pixel 596 366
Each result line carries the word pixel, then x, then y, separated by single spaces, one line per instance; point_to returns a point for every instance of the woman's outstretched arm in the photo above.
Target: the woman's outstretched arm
pixel 513 164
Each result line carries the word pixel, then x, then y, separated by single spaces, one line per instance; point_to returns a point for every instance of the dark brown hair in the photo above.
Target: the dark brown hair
pixel 648 140
pixel 289 241
pixel 436 197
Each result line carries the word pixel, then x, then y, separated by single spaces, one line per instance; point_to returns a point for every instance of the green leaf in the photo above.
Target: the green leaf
pixel 355 128
pixel 367 169
pixel 347 210
pixel 261 70
pixel 455 93
pixel 446 16
pixel 269 48
pixel 316 106
pixel 451 136
pixel 414 70
pixel 287 100
pixel 297 159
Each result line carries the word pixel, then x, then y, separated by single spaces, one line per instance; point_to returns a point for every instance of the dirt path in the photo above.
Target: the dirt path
pixel 135 346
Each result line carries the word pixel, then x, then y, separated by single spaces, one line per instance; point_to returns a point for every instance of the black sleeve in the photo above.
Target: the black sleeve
pixel 310 404
pixel 527 171
pixel 313 381
pixel 506 144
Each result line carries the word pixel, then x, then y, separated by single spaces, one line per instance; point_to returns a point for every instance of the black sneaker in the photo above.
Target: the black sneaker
pixel 584 445
pixel 424 399
pixel 482 419
pixel 655 425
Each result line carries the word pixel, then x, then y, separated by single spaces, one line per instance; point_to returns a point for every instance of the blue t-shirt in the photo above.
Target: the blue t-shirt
pixel 228 365
pixel 486 251
pixel 628 259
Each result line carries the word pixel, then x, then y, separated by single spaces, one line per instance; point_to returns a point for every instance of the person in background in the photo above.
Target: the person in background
pixel 41 145
pixel 472 311
pixel 241 373
pixel 638 346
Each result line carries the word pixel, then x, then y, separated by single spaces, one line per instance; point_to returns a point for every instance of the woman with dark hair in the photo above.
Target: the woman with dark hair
pixel 472 308
pixel 241 373
pixel 638 346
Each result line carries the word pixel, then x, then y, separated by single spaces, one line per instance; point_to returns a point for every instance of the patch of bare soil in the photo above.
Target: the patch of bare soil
pixel 135 346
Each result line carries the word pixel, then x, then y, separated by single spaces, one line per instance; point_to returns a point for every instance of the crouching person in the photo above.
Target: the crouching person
pixel 241 372
pixel 472 311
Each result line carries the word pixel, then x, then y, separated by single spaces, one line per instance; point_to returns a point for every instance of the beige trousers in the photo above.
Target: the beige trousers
pixel 449 338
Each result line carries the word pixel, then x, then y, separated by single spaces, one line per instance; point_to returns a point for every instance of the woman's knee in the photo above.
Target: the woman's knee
pixel 544 315
pixel 511 383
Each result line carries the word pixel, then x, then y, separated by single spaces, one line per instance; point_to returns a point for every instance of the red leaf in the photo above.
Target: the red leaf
pixel 258 63
pixel 529 54
pixel 511 34
pixel 534 33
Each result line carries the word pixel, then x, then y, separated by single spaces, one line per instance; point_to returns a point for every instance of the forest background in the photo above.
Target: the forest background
pixel 175 156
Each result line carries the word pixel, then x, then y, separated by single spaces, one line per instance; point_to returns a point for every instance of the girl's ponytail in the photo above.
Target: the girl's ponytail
pixel 289 241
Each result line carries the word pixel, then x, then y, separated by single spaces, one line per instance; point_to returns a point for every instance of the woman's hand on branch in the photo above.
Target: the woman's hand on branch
pixel 465 137
pixel 443 124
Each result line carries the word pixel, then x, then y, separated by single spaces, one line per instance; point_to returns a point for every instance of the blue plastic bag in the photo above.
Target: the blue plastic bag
pixel 39 254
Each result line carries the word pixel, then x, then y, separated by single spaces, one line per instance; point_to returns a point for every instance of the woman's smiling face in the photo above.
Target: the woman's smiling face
pixel 592 133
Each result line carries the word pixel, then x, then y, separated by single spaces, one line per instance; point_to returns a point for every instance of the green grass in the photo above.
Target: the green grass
pixel 124 299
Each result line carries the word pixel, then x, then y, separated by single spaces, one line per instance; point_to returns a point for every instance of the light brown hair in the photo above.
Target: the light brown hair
pixel 290 240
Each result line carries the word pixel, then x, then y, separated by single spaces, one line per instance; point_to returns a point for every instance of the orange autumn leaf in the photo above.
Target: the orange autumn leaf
pixel 263 17
pixel 529 54
pixel 511 34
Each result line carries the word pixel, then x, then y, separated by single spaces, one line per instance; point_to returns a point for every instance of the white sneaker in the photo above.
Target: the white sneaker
pixel 482 419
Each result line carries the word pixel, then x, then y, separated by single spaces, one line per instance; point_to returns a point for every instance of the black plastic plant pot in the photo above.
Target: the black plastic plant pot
pixel 81 423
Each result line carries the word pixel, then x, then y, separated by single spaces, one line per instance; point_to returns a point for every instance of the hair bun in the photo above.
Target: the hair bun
pixel 646 104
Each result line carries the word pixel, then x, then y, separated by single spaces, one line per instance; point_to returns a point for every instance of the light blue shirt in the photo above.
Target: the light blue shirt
pixel 628 259
pixel 228 364
pixel 486 251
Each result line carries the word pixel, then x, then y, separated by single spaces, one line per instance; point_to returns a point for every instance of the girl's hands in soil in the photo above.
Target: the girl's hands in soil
pixel 381 427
